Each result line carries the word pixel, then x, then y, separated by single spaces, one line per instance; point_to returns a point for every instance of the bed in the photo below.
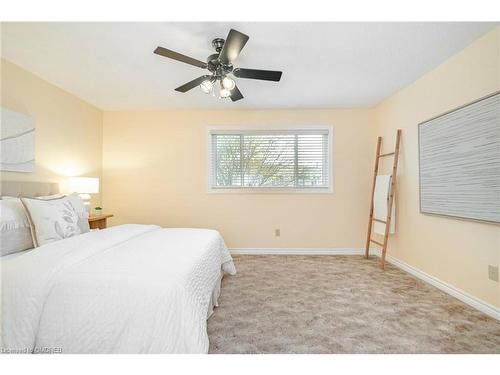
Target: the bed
pixel 126 289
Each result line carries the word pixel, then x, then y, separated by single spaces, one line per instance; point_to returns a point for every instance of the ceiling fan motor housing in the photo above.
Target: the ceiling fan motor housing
pixel 213 62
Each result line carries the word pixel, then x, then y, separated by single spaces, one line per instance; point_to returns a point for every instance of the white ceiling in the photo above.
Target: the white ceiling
pixel 325 65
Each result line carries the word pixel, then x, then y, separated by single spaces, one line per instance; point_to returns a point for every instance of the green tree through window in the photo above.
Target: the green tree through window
pixel 270 160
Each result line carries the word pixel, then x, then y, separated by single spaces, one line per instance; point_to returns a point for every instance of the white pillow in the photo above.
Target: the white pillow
pixel 15 233
pixel 78 205
pixel 81 210
pixel 52 220
pixel 49 197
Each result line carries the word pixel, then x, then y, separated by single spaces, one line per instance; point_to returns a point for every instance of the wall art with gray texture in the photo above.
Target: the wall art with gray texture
pixel 17 144
pixel 459 154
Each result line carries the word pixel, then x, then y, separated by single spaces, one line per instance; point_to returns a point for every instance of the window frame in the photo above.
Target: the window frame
pixel 270 190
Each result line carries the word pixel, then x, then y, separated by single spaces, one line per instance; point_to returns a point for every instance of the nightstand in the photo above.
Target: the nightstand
pixel 98 221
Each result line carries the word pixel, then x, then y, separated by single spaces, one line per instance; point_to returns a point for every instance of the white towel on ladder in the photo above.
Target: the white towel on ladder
pixel 381 204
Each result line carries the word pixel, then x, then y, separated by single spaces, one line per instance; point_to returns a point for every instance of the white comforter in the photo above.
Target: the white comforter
pixel 125 289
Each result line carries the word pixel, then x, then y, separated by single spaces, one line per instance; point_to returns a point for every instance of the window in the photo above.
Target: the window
pixel 270 159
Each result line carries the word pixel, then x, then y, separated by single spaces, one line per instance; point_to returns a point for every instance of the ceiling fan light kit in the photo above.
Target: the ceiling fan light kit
pixel 220 64
pixel 228 83
pixel 207 86
pixel 224 93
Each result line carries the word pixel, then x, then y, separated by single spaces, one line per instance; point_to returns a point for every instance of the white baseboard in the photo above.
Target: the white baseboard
pixel 296 251
pixel 470 300
pixel 465 297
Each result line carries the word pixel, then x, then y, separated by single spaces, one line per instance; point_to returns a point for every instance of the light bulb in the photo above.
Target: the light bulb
pixel 224 93
pixel 228 83
pixel 206 86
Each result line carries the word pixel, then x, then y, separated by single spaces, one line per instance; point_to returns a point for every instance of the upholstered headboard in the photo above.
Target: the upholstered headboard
pixel 28 188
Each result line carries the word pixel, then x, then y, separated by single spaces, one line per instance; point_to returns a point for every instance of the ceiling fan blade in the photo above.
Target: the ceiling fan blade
pixel 266 75
pixel 192 84
pixel 236 94
pixel 233 45
pixel 179 57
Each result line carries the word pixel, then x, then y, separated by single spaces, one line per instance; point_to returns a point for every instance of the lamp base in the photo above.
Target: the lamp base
pixel 86 200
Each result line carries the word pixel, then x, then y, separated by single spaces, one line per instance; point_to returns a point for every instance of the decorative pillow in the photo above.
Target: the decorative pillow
pixel 51 220
pixel 81 210
pixel 50 197
pixel 78 205
pixel 15 233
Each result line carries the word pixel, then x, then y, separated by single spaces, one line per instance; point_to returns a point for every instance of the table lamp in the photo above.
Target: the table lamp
pixel 84 186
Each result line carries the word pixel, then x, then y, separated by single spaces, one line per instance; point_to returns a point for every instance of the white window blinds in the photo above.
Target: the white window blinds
pixel 297 159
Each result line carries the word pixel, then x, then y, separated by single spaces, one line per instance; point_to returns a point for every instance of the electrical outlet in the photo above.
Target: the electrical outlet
pixel 277 233
pixel 493 273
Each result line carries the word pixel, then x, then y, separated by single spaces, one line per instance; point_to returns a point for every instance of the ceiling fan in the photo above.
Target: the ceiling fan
pixel 220 65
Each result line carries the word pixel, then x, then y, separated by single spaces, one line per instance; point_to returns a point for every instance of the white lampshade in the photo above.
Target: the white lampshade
pixel 228 83
pixel 85 185
pixel 225 93
pixel 206 86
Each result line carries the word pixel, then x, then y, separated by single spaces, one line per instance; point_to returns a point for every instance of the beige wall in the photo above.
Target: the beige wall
pixel 68 136
pixel 155 167
pixel 455 251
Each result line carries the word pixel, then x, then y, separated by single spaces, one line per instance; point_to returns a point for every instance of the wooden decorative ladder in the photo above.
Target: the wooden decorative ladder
pixel 392 190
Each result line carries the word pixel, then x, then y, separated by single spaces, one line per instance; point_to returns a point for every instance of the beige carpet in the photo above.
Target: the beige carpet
pixel 341 304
